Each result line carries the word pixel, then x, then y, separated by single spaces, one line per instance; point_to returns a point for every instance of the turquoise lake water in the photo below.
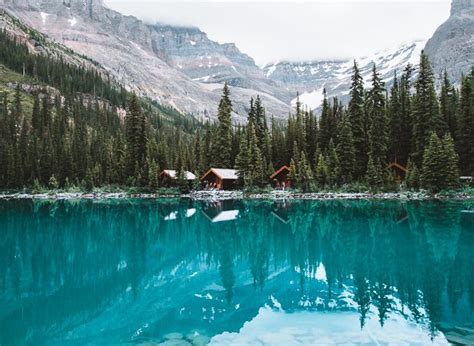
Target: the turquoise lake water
pixel 182 272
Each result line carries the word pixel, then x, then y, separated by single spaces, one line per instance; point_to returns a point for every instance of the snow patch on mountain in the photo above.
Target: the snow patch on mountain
pixel 72 21
pixel 44 16
pixel 270 69
pixel 312 99
pixel 309 78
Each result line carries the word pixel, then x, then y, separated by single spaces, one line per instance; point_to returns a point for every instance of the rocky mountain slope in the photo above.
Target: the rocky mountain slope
pixel 152 59
pixel 181 67
pixel 452 45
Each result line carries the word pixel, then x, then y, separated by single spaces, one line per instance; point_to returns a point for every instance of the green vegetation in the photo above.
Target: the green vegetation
pixel 68 130
pixel 351 147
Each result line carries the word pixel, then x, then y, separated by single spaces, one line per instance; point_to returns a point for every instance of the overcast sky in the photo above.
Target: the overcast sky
pixel 274 30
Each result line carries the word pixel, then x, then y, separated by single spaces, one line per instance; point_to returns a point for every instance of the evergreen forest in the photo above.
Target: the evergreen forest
pixel 75 127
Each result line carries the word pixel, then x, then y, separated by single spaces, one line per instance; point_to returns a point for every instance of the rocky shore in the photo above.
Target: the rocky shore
pixel 232 195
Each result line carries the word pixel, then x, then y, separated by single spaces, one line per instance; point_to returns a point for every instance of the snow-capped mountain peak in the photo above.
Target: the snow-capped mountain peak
pixel 310 78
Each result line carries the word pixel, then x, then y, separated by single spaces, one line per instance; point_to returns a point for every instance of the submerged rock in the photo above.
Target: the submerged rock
pixel 173 336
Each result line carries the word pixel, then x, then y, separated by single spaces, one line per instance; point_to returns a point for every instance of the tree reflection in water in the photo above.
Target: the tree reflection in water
pixel 72 269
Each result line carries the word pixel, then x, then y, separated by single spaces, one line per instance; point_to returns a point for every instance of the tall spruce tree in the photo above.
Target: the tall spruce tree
pixel 378 131
pixel 395 124
pixel 321 171
pixel 325 124
pixel 135 123
pixel 332 162
pixel 451 168
pixel 413 176
pixel 432 175
pixel 242 160
pixel 448 104
pixel 374 174
pixel 465 130
pixel 222 147
pixel 406 122
pixel 426 117
pixel 346 151
pixel 357 116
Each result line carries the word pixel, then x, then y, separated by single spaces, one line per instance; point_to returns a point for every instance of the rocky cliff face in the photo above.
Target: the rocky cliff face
pixel 179 67
pixel 452 46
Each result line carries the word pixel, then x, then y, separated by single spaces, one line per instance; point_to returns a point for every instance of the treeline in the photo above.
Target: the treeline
pixel 432 135
pixel 72 142
pixel 67 78
pixel 77 136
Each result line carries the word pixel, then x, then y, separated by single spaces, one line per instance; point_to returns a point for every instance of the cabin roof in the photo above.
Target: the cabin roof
pixel 172 174
pixel 279 171
pixel 223 173
pixel 397 165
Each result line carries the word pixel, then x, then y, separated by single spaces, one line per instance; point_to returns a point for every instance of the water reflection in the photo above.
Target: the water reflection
pixel 122 271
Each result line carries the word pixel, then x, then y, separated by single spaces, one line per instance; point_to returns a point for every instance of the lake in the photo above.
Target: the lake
pixel 180 272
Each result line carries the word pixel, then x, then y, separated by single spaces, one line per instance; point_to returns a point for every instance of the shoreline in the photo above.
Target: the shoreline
pixel 240 195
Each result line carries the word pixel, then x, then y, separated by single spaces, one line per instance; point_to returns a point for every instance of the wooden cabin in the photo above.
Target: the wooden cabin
pixel 399 171
pixel 169 177
pixel 280 178
pixel 220 178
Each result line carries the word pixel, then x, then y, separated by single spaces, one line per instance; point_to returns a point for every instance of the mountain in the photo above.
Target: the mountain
pixel 169 64
pixel 452 46
pixel 311 78
pixel 182 68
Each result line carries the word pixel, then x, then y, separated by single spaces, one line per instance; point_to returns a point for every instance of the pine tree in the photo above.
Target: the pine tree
pixel 395 124
pixel 222 147
pixel 378 136
pixel 432 175
pixel 426 115
pixel 181 180
pixel 256 165
pixel 36 116
pixel 294 175
pixel 88 182
pixel 406 122
pixel 374 174
pixel 321 171
pixel 332 162
pixel 260 129
pixel 448 104
pixel 465 130
pixel 53 183
pixel 325 124
pixel 346 151
pixel 4 143
pixel 305 175
pixel 24 153
pixel 135 124
pixel 451 160
pixel 153 175
pixel 413 176
pixel 357 117
pixel 79 146
pixel 242 160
